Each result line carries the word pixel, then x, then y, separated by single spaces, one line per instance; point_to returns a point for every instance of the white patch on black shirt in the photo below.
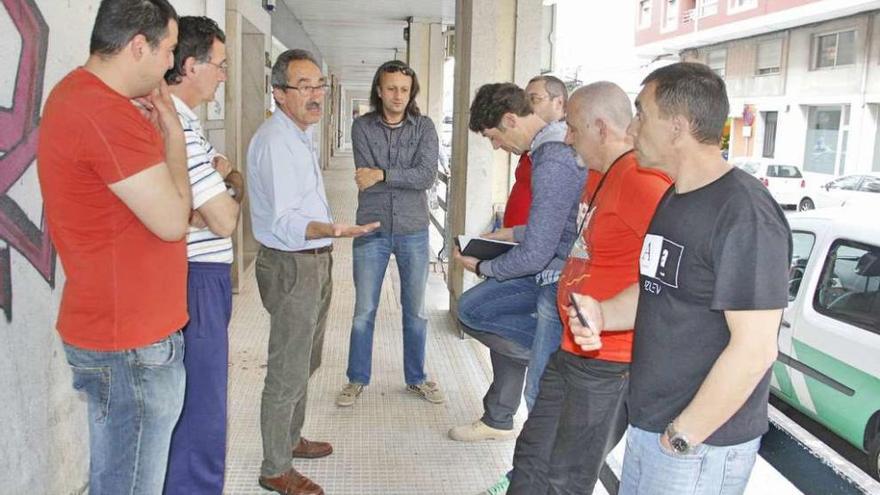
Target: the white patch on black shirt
pixel 660 260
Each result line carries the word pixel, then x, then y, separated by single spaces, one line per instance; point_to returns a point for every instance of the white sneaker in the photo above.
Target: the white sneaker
pixel 429 391
pixel 479 431
pixel 349 394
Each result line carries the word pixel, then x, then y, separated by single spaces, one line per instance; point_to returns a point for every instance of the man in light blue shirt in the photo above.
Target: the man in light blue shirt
pixel 292 222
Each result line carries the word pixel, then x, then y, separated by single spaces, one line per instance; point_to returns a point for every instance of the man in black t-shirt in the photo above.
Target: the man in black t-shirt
pixel 708 304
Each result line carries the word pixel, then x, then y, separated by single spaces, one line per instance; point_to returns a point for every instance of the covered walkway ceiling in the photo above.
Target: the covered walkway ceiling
pixel 356 36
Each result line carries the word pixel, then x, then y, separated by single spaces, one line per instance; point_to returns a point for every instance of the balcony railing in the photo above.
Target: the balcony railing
pixel 704 8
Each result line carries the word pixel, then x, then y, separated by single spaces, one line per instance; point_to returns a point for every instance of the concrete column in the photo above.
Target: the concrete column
pixel 425 56
pixel 248 40
pixel 529 16
pixel 328 123
pixel 495 42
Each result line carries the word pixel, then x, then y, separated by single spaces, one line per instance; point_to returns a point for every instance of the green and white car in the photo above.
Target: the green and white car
pixel 829 341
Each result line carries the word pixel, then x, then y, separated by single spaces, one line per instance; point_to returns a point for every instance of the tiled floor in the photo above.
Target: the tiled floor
pixel 390 442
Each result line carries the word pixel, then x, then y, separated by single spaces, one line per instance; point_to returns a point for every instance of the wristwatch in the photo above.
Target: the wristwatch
pixel 677 440
pixel 477 269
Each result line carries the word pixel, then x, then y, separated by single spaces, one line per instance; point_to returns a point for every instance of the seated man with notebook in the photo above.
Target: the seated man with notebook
pixel 482 248
pixel 521 283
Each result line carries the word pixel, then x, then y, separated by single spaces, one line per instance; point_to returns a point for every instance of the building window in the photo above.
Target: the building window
pixel 769 57
pixel 770 119
pixel 645 13
pixel 827 136
pixel 717 61
pixel 707 7
pixel 670 14
pixel 834 50
pixel 876 165
pixel 734 6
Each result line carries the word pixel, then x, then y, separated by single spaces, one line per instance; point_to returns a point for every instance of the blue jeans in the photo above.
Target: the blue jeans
pixel 506 309
pixel 648 468
pixel 370 259
pixel 134 399
pixel 548 337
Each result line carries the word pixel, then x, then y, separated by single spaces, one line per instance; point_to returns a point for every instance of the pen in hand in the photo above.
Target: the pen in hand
pixel 577 311
pixel 587 336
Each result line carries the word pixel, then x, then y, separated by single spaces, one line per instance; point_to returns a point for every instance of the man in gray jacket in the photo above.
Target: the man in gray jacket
pixel 395 154
pixel 498 309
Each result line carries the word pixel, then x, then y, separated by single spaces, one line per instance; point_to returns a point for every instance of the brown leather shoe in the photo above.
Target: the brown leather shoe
pixel 291 483
pixel 307 449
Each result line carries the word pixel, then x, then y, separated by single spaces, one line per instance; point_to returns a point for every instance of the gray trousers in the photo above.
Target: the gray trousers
pixel 295 289
pixel 509 361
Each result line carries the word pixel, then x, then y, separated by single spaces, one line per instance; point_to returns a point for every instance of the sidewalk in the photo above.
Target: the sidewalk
pixel 390 442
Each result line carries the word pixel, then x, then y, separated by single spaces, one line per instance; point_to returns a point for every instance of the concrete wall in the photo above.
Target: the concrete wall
pixel 43 439
pixel 741 67
pixel 810 84
pixel 43 429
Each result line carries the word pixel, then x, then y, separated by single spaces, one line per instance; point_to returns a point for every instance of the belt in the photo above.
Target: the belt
pixel 320 250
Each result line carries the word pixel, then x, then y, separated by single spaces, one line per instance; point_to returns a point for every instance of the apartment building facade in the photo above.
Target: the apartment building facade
pixel 803 76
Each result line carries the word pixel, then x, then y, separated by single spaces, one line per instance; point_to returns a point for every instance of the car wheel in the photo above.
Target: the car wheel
pixel 806 204
pixel 874 457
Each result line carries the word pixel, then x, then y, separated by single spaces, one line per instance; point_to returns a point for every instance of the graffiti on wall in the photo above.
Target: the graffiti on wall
pixel 18 147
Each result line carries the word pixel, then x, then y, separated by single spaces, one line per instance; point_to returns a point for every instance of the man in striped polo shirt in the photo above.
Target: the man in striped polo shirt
pixel 198 445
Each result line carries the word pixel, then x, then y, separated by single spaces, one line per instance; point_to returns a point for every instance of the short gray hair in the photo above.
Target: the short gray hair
pixel 279 70
pixel 604 100
pixel 553 85
pixel 695 92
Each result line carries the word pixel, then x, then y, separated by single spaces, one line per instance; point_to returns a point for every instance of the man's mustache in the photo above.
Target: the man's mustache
pixel 313 106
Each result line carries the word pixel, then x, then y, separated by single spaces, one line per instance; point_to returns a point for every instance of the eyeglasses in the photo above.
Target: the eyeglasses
pixel 224 66
pixel 536 98
pixel 306 89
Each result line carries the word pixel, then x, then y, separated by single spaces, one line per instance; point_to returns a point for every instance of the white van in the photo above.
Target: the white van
pixel 829 341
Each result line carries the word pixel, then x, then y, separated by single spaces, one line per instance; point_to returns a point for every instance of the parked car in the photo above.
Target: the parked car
pixel 829 340
pixel 786 183
pixel 849 188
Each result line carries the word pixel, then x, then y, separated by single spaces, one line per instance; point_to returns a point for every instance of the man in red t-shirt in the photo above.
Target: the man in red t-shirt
pixel 580 413
pixel 547 96
pixel 112 169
